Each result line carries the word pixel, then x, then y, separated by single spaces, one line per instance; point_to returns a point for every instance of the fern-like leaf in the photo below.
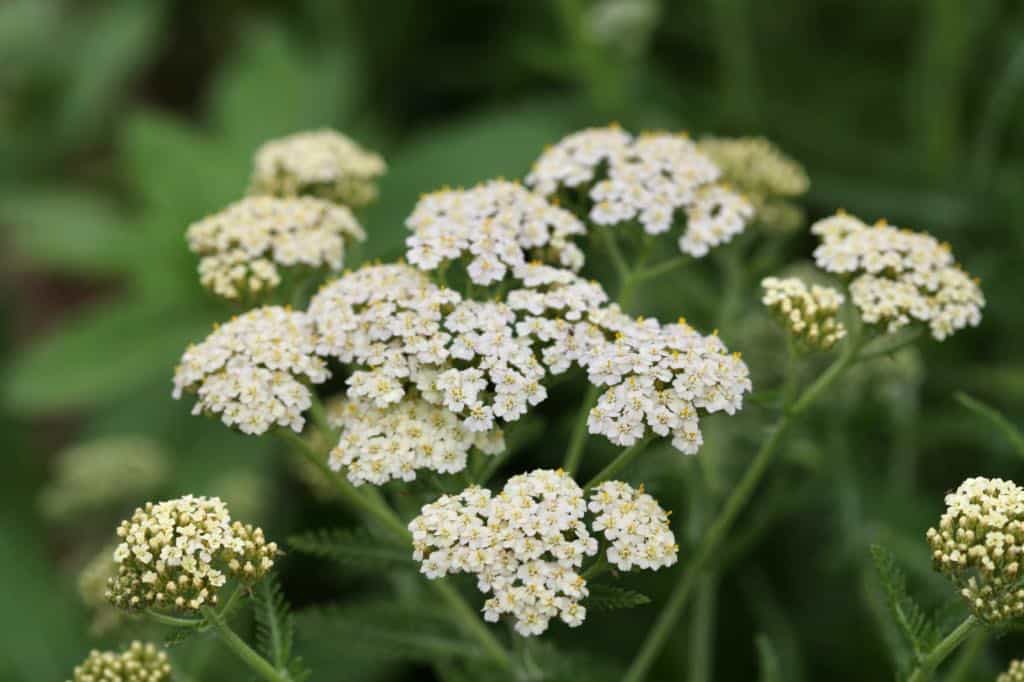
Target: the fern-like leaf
pixel 611 598
pixel 918 629
pixel 356 549
pixel 274 624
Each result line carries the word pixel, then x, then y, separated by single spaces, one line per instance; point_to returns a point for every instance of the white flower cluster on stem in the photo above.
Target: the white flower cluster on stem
pixel 498 226
pixel 979 544
pixel 808 313
pixel 177 554
pixel 319 163
pixel 899 276
pixel 380 444
pixel 651 178
pixel 526 544
pixel 658 375
pixel 252 371
pixel 242 246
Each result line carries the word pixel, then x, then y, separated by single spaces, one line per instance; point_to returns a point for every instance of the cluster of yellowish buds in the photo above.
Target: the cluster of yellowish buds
pixel 138 663
pixel 1015 673
pixel 809 314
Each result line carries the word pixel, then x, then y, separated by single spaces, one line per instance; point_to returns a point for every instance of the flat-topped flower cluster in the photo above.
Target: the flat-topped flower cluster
pixel 899 276
pixel 499 226
pixel 176 555
pixel 526 545
pixel 242 247
pixel 979 543
pixel 650 179
pixel 253 371
pixel 809 313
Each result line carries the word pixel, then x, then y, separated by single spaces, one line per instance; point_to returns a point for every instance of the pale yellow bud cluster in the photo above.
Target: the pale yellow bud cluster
pixel 1015 673
pixel 92 589
pixel 176 555
pixel 809 314
pixel 320 163
pixel 978 546
pixel 138 663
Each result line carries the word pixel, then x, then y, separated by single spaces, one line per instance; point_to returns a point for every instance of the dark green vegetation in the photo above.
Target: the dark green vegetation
pixel 122 122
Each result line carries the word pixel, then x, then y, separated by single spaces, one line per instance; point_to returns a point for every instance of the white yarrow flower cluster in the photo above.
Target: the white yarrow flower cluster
pixel 635 525
pixel 381 444
pixel 253 371
pixel 979 543
pixel 242 247
pixel 177 554
pixel 320 163
pixel 809 314
pixel 499 226
pixel 899 276
pixel 650 179
pixel 524 545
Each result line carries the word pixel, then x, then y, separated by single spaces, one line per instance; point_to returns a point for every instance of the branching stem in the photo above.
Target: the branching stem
pixel 243 651
pixel 942 650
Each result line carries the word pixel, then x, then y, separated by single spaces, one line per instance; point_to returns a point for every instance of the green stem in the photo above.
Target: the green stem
pixel 942 650
pixel 888 349
pixel 702 630
pixel 666 622
pixel 960 669
pixel 257 663
pixel 624 459
pixel 471 623
pixel 574 454
pixel 599 567
pixel 618 260
pixel 661 268
pixel 173 621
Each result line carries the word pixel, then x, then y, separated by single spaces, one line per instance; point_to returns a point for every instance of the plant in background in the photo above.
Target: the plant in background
pixel 138 663
pixel 1015 673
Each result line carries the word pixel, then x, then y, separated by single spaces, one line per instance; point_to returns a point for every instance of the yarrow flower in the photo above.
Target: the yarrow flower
pixel 635 525
pixel 498 226
pixel 320 163
pixel 138 663
pixel 401 332
pixel 1015 673
pixel 526 545
pixel 809 314
pixel 253 370
pixel 978 545
pixel 765 175
pixel 101 472
pixel 242 247
pixel 176 555
pixel 899 276
pixel 650 179
pixel 380 444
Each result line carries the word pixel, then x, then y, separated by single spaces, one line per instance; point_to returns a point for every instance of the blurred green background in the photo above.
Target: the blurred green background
pixel 122 122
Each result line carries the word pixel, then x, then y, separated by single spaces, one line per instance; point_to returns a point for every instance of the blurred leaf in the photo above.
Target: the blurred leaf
pixel 270 89
pixel 612 598
pixel 994 418
pixel 354 548
pixel 917 627
pixel 72 231
pixel 485 145
pixel 768 660
pixel 275 629
pixel 105 353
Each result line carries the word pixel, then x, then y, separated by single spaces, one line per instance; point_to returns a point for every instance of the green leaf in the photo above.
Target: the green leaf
pixel 768 660
pixel 612 597
pixel 995 418
pixel 356 549
pixel 918 629
pixel 72 231
pixel 274 622
pixel 476 148
pixel 387 632
pixel 107 352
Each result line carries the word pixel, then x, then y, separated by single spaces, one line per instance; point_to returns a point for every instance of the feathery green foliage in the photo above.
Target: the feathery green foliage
pixel 612 597
pixel 917 627
pixel 356 549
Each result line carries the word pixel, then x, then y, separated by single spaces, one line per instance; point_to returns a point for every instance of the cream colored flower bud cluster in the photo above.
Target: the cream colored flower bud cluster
pixel 241 247
pixel 766 176
pixel 635 525
pixel 253 370
pixel 809 314
pixel 526 545
pixel 899 276
pixel 498 226
pixel 1015 673
pixel 176 555
pixel 978 545
pixel 381 444
pixel 400 331
pixel 138 663
pixel 101 472
pixel 650 179
pixel 320 163
pixel 92 589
